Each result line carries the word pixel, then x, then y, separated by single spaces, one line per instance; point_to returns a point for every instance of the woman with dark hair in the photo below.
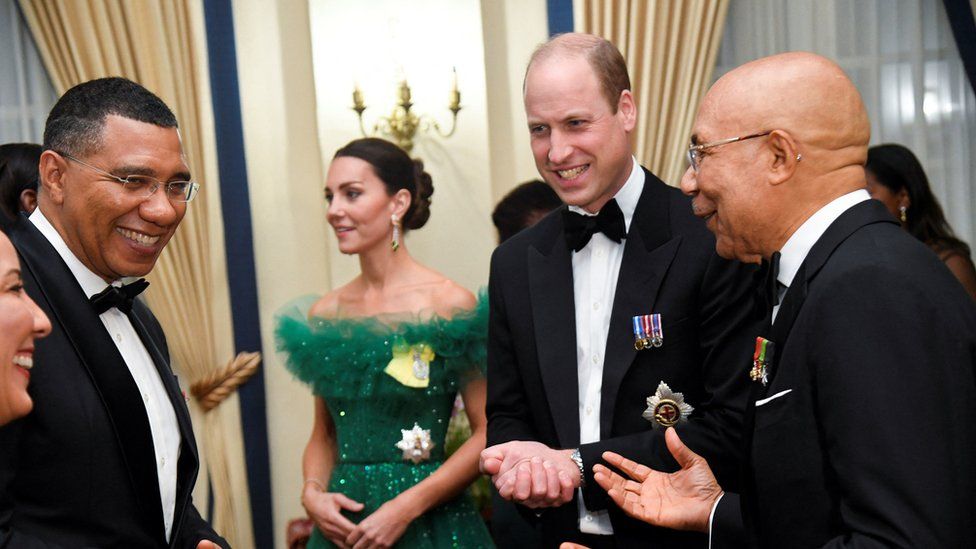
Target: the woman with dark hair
pixel 18 179
pixel 896 178
pixel 21 322
pixel 385 356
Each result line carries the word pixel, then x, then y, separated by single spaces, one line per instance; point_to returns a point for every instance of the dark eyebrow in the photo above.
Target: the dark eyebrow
pixel 13 273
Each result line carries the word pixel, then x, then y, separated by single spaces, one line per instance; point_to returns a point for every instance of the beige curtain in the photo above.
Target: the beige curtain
pixel 670 47
pixel 162 45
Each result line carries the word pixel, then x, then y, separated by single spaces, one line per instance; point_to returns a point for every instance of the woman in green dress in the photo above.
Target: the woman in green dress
pixel 385 356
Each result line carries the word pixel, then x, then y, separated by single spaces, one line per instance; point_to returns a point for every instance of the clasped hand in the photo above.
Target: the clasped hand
pixel 531 473
pixel 382 528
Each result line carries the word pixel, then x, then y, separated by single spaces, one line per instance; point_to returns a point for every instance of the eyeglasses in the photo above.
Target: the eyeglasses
pixel 144 186
pixel 694 151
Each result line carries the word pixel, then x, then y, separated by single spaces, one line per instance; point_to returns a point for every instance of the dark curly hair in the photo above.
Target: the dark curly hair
pixel 397 171
pixel 75 124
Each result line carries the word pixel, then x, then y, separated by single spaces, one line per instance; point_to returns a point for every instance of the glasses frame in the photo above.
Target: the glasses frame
pixel 694 149
pixel 194 187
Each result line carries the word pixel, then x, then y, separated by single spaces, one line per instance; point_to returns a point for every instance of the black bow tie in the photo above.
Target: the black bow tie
pixel 580 228
pixel 119 297
pixel 770 285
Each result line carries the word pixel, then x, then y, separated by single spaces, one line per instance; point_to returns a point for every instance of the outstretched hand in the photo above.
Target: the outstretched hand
pixel 681 500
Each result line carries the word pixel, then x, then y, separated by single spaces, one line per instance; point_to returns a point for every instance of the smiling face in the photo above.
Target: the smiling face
pixel 728 191
pixel 581 146
pixel 360 208
pixel 21 322
pixel 115 232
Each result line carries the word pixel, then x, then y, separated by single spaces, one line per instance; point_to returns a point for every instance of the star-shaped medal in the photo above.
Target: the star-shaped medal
pixel 665 407
pixel 415 444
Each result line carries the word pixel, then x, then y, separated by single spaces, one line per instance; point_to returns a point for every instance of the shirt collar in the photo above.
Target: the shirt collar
pixel 90 282
pixel 798 246
pixel 626 197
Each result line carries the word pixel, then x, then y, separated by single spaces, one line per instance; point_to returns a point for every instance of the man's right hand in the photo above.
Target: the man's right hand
pixel 324 508
pixel 682 500
pixel 531 473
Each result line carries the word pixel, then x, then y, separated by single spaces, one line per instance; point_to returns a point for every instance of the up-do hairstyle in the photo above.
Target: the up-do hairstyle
pixel 76 121
pixel 604 58
pixel 397 171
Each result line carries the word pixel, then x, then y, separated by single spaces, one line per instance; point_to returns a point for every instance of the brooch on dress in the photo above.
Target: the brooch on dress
pixel 665 407
pixel 415 444
pixel 411 365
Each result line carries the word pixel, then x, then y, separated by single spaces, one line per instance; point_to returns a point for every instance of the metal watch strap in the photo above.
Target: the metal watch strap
pixel 578 460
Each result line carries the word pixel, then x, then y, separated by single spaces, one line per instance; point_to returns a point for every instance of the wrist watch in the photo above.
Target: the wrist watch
pixel 578 460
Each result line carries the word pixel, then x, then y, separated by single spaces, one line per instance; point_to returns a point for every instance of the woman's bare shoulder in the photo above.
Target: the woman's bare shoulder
pixel 329 305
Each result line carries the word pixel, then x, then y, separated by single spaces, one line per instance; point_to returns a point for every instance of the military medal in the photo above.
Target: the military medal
pixel 648 331
pixel 761 360
pixel 416 444
pixel 665 408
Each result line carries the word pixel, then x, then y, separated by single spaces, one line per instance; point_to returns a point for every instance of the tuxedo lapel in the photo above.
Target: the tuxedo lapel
pixel 188 460
pixel 95 351
pixel 550 268
pixel 648 253
pixel 857 216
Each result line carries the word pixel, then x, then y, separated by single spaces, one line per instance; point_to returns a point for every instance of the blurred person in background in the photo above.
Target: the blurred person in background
pixel 18 179
pixel 896 178
pixel 523 207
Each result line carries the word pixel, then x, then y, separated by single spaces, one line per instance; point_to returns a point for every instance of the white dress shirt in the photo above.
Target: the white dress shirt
pixel 162 418
pixel 795 251
pixel 595 271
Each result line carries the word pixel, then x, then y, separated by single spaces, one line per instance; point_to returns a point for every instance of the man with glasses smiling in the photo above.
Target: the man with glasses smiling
pixel 108 457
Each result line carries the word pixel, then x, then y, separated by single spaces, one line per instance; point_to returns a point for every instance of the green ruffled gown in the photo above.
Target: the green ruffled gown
pixel 345 361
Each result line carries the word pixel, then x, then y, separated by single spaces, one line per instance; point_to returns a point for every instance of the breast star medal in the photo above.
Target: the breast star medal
pixel 415 444
pixel 665 408
pixel 761 361
pixel 648 331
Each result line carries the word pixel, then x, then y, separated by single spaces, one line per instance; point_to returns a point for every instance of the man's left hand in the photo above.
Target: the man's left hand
pixel 531 473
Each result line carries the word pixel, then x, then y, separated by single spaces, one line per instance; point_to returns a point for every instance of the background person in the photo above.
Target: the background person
pixel 18 179
pixel 523 207
pixel 21 322
pixel 896 178
pixel 385 356
pixel 107 458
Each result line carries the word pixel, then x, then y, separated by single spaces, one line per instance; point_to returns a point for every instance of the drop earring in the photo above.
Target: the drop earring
pixel 395 243
pixel 904 213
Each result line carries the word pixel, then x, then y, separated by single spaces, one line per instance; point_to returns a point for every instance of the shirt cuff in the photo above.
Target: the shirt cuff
pixel 711 517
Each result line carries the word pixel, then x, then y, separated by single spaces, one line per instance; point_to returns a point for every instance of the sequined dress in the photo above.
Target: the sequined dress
pixel 347 362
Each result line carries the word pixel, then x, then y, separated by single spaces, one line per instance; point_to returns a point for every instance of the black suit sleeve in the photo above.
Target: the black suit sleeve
pixel 729 322
pixel 9 537
pixel 726 530
pixel 195 529
pixel 508 413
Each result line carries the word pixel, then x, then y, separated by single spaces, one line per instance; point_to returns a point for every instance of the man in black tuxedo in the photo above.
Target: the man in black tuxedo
pixel 567 378
pixel 107 458
pixel 862 422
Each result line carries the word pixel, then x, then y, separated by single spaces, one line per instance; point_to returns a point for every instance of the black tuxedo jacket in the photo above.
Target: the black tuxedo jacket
pixel 80 469
pixel 709 319
pixel 866 433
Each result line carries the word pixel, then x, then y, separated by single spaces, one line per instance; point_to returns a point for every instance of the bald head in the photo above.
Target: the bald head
pixel 802 93
pixel 810 137
pixel 603 57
